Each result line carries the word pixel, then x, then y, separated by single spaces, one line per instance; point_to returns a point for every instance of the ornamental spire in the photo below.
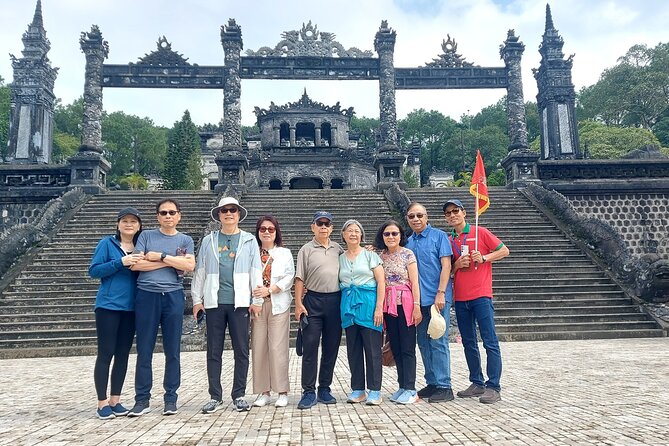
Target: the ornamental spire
pixel 549 18
pixel 37 18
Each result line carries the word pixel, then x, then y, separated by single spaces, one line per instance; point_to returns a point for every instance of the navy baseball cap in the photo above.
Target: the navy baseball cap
pixel 322 214
pixel 454 202
pixel 128 211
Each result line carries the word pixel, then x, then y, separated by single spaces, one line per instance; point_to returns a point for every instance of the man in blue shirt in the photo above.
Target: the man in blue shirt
pixel 160 303
pixel 433 254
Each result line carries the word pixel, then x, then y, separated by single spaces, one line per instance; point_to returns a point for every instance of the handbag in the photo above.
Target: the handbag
pixel 387 358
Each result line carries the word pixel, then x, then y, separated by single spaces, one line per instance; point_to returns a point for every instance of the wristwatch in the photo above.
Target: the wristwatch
pixel 162 256
pixel 484 259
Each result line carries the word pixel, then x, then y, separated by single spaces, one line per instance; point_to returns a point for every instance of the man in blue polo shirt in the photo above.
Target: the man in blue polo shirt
pixel 433 254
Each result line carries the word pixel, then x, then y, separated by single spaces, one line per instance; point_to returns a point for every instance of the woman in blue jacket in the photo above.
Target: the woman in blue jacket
pixel 115 309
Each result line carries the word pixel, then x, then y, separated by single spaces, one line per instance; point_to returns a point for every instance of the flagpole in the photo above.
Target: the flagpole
pixel 476 228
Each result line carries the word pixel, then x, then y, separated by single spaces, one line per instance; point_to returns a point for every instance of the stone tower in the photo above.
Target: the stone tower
pixel 556 97
pixel 32 98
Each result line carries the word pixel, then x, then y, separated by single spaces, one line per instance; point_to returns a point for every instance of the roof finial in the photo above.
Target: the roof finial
pixel 549 18
pixel 37 18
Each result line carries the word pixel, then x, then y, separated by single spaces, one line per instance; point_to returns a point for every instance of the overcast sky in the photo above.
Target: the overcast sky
pixel 597 31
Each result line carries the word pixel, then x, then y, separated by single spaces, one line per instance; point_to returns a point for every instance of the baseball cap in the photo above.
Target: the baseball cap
pixel 322 214
pixel 128 211
pixel 454 202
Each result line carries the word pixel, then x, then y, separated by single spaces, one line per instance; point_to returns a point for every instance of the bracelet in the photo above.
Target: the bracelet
pixel 441 291
pixel 416 303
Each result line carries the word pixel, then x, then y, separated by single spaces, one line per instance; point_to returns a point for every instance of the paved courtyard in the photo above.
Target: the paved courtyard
pixel 609 392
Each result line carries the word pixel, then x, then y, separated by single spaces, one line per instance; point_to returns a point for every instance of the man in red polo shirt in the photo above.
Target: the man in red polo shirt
pixel 472 291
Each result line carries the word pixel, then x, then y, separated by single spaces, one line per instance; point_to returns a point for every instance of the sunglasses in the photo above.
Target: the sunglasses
pixel 269 229
pixel 171 212
pixel 452 212
pixel 391 233
pixel 228 210
pixel 412 216
pixel 327 224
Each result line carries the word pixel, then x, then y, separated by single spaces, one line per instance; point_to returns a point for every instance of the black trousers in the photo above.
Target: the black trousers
pixel 324 320
pixel 115 331
pixel 403 345
pixel 237 323
pixel 363 347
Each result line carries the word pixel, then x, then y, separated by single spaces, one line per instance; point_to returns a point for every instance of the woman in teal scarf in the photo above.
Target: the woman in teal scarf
pixel 362 282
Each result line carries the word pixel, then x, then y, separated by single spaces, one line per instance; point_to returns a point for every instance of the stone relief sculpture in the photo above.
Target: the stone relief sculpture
pixel 308 41
pixel 164 56
pixel 450 58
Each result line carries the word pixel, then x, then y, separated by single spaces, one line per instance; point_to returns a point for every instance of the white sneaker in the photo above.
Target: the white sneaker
pixel 282 401
pixel 261 400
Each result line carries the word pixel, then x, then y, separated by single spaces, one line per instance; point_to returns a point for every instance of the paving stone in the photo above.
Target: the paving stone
pixel 611 392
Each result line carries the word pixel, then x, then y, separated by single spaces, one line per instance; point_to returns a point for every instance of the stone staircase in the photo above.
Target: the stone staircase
pixel 547 288
pixel 48 309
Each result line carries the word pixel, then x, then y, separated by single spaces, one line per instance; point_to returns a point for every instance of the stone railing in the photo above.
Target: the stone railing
pixel 18 239
pixel 646 275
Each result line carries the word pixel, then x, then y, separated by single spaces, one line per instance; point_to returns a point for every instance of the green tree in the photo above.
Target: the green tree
pixel 67 118
pixel 183 161
pixel 366 128
pixel 613 142
pixel 635 92
pixel 64 146
pixel 4 118
pixel 431 130
pixel 133 144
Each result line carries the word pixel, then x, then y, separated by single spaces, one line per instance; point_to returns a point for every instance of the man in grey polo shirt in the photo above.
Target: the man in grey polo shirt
pixel 160 303
pixel 318 274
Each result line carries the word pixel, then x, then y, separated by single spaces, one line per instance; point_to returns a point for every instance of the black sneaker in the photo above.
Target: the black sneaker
pixel 170 408
pixel 139 409
pixel 441 395
pixel 427 391
pixel 471 391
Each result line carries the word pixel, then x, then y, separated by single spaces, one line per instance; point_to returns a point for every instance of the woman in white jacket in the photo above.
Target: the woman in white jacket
pixel 228 269
pixel 270 329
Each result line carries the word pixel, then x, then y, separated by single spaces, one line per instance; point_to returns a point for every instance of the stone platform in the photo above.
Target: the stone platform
pixel 608 392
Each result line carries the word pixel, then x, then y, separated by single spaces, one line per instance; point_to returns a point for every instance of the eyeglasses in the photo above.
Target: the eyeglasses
pixel 228 210
pixel 418 215
pixel 170 212
pixel 391 233
pixel 269 229
pixel 320 224
pixel 452 212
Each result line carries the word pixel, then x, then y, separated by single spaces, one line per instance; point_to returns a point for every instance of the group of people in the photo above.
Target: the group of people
pixel 242 283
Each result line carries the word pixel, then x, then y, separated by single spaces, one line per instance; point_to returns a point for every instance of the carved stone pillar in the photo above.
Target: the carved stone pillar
pixel 384 44
pixel 277 136
pixel 556 98
pixel 334 141
pixel 292 136
pixel 89 167
pixel 32 99
pixel 231 162
pixel 389 161
pixel 96 50
pixel 511 52
pixel 317 137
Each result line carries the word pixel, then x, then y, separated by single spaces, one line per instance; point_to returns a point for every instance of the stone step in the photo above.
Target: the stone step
pixel 559 318
pixel 552 286
pixel 577 326
pixel 40 325
pixel 45 310
pixel 22 316
pixel 50 333
pixel 19 298
pixel 582 334
pixel 564 311
pixel 555 295
pixel 577 301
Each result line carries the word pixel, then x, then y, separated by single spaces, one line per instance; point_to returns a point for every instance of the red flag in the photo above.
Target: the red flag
pixel 479 186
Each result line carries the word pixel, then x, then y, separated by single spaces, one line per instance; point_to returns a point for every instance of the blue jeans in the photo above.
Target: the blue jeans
pixel 470 313
pixel 152 310
pixel 435 352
